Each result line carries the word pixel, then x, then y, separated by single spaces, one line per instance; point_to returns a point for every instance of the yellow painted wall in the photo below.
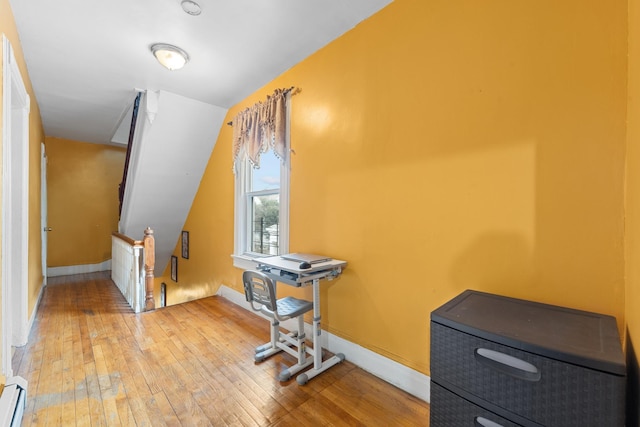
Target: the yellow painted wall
pixel 82 185
pixel 632 293
pixel 447 145
pixel 36 136
pixel 210 226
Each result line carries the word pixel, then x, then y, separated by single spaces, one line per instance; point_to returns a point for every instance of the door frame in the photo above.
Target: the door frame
pixel 44 221
pixel 15 206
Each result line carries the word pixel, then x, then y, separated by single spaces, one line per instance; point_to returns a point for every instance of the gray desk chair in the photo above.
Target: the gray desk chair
pixel 260 291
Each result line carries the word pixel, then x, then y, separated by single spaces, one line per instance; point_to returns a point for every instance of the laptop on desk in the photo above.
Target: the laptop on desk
pixel 310 258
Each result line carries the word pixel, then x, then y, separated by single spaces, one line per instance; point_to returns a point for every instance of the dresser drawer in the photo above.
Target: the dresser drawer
pixel 540 389
pixel 450 410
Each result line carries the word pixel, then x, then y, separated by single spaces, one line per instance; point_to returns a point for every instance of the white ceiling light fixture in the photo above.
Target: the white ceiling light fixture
pixel 191 7
pixel 171 57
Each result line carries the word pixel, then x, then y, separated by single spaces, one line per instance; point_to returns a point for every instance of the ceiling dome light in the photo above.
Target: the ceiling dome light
pixel 191 7
pixel 171 57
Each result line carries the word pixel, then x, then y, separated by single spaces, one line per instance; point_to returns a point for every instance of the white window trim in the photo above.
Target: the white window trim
pixel 241 257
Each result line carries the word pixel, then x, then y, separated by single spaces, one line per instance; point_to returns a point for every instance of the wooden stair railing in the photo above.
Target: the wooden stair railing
pixel 133 262
pixel 132 129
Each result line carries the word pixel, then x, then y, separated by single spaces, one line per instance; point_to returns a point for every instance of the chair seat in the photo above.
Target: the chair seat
pixel 289 307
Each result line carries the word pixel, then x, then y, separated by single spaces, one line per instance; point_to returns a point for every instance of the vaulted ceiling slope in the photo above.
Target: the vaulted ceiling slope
pixel 86 59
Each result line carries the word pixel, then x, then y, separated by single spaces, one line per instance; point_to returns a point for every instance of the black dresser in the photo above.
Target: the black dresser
pixel 498 361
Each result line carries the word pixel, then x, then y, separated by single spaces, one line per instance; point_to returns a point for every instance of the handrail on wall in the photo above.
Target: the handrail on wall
pixel 132 129
pixel 132 267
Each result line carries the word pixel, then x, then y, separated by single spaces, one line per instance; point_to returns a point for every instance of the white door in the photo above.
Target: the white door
pixel 15 207
pixel 44 225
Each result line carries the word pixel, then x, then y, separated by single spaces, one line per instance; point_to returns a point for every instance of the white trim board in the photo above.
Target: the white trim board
pixel 401 376
pixel 78 269
pixel 15 206
pixel 32 318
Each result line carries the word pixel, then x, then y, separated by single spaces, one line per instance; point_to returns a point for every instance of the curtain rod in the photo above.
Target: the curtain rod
pixel 285 91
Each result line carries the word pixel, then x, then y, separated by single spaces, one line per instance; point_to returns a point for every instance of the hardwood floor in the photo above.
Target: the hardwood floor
pixel 91 361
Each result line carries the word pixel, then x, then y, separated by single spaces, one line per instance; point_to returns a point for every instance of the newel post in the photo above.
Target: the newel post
pixel 149 265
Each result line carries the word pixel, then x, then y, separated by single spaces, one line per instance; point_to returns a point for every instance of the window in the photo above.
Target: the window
pixel 262 192
pixel 261 208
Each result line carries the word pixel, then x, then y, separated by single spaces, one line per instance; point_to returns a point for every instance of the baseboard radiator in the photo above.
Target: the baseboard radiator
pixel 13 402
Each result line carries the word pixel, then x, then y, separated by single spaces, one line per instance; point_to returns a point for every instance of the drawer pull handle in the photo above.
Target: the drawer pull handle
pixel 507 364
pixel 483 422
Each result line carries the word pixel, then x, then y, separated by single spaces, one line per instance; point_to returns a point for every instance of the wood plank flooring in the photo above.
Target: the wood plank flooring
pixel 91 361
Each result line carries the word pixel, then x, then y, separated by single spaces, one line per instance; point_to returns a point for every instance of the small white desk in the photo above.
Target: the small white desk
pixel 290 273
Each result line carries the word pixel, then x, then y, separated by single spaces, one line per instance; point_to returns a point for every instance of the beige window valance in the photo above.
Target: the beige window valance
pixel 260 128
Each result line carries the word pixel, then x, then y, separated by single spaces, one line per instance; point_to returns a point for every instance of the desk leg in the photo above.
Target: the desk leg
pixel 319 366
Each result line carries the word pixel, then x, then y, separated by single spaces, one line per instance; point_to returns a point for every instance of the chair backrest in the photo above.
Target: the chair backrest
pixel 259 288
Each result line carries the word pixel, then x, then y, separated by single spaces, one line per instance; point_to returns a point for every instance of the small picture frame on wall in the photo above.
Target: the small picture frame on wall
pixel 185 244
pixel 174 268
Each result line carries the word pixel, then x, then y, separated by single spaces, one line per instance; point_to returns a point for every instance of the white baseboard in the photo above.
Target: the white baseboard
pixel 78 269
pixel 401 376
pixel 32 318
pixel 23 339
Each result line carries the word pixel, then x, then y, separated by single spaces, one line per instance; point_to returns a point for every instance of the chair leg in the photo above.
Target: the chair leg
pixel 302 349
pixel 304 360
pixel 270 348
pixel 292 343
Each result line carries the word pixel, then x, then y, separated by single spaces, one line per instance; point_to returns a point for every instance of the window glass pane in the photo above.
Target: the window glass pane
pixel 265 214
pixel 268 176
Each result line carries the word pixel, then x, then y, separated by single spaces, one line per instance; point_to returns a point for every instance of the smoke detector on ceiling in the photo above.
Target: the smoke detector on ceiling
pixel 191 7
